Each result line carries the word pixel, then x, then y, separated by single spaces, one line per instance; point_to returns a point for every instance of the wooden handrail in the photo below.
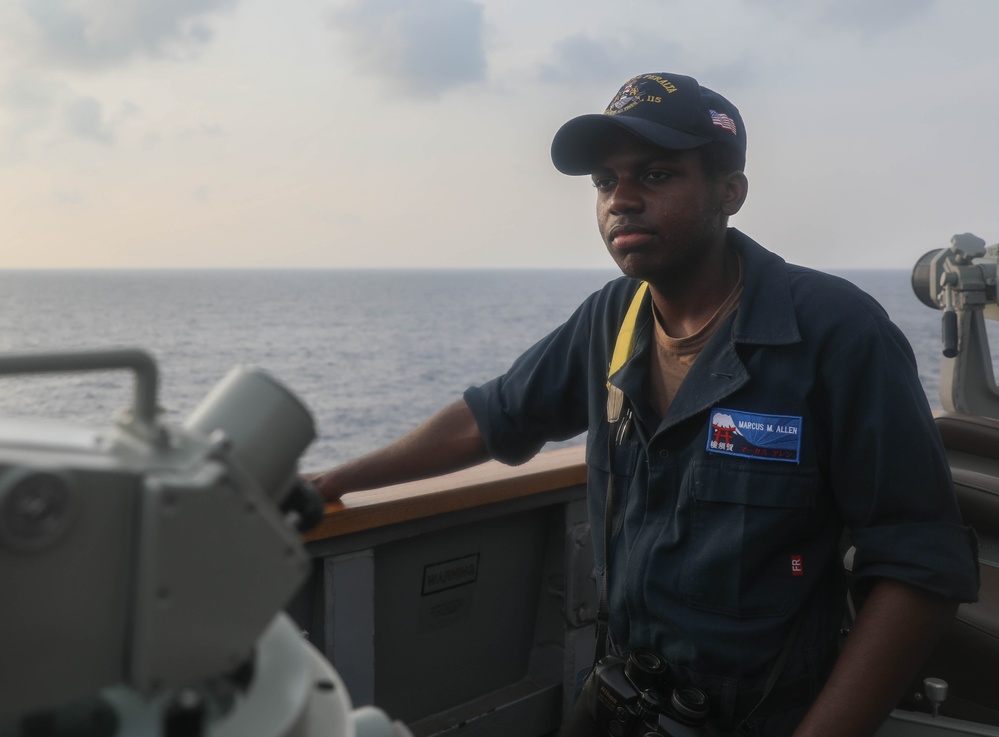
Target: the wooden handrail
pixel 485 484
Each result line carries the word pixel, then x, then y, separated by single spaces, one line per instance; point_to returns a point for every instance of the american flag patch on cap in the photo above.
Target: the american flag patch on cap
pixel 723 121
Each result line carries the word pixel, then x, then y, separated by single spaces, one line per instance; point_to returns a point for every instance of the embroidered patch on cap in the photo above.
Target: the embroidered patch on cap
pixel 751 435
pixel 646 88
pixel 723 121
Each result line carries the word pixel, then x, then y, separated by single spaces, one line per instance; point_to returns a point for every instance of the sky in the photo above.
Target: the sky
pixel 417 133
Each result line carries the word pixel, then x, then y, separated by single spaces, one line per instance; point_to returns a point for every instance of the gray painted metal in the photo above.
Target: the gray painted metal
pixel 457 625
pixel 961 280
pixel 349 606
pixel 913 724
pixel 144 554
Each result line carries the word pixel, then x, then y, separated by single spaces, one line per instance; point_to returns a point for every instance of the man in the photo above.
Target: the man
pixel 741 412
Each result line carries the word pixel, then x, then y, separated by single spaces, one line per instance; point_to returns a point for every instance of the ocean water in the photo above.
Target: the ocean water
pixel 371 353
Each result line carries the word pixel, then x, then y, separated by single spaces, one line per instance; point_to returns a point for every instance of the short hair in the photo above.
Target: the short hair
pixel 719 159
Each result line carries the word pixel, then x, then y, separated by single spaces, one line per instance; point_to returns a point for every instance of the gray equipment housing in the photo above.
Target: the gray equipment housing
pixel 143 563
pixel 961 281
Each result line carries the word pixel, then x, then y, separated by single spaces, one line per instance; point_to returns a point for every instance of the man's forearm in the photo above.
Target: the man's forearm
pixel 448 441
pixel 894 633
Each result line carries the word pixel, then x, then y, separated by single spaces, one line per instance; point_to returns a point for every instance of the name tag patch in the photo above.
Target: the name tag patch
pixel 751 435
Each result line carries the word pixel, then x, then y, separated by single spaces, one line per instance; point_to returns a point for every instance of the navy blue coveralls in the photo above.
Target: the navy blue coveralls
pixel 802 414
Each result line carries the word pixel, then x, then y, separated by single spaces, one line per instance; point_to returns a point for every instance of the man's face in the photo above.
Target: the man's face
pixel 658 213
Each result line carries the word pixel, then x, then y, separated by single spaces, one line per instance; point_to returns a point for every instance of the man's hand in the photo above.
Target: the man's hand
pixel 894 633
pixel 448 441
pixel 326 484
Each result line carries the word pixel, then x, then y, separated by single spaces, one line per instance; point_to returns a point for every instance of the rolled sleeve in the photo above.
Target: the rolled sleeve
pixel 933 556
pixel 544 394
pixel 498 428
pixel 889 472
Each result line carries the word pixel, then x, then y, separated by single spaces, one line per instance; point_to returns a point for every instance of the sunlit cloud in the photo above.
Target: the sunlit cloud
pixel 419 49
pixel 99 32
pixel 401 133
pixel 869 18
pixel 613 61
pixel 85 118
pixel 873 17
pixel 581 56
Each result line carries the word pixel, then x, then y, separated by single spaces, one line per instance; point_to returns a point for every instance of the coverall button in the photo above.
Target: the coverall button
pixel 664 453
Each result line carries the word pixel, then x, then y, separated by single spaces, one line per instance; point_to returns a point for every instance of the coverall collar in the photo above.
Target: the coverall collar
pixel 765 316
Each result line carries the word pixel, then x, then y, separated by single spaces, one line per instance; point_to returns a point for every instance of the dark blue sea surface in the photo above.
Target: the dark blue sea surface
pixel 370 352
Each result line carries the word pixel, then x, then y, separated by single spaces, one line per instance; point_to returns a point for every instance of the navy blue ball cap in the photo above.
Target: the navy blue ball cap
pixel 667 110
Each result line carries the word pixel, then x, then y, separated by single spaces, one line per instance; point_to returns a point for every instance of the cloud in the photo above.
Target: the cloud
pixel 33 106
pixel 29 102
pixel 85 118
pixel 27 92
pixel 609 61
pixel 868 17
pixel 67 197
pixel 205 130
pixel 582 57
pixel 99 32
pixel 872 17
pixel 48 37
pixel 422 49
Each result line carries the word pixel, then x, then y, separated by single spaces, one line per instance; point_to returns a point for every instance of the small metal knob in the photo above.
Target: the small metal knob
pixel 936 691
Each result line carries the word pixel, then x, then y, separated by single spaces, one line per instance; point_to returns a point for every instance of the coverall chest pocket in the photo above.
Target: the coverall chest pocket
pixel 604 457
pixel 748 526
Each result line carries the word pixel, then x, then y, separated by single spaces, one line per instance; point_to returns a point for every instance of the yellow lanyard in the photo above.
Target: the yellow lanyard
pixel 623 348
